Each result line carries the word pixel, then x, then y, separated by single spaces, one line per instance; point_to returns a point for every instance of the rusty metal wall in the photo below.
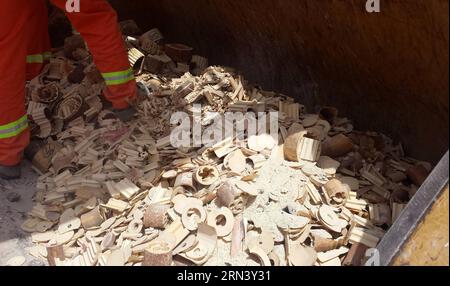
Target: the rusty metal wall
pixel 428 246
pixel 420 234
pixel 387 71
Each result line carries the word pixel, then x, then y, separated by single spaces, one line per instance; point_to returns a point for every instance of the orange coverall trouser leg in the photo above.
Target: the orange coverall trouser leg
pixel 97 23
pixel 14 132
pixel 22 22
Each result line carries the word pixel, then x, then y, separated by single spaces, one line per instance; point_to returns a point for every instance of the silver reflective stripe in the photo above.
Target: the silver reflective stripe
pixel 14 128
pixel 120 77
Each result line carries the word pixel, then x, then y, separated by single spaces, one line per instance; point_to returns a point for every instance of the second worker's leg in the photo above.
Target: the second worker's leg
pixel 38 49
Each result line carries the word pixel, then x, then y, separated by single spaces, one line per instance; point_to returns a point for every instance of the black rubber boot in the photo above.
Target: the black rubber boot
pixel 125 115
pixel 10 172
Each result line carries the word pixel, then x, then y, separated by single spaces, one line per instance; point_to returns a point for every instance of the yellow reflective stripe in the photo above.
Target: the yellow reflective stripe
pixel 15 123
pixel 35 59
pixel 14 128
pixel 118 73
pixel 120 77
pixel 38 58
pixel 119 81
pixel 14 133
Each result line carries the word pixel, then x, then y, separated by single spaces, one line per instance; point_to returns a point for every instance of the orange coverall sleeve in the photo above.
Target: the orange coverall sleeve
pixel 97 23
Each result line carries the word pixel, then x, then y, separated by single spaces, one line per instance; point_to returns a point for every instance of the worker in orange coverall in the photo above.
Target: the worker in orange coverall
pixel 25 49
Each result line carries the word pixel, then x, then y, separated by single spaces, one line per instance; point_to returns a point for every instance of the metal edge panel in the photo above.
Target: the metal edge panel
pixel 414 212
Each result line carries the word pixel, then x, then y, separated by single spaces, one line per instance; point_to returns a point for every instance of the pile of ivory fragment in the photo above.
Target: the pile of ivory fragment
pixel 119 194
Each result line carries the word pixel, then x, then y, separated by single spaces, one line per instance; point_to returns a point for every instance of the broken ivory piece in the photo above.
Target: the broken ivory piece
pixel 156 216
pixel 158 253
pixel 302 255
pixel 192 216
pixel 222 220
pixel 207 175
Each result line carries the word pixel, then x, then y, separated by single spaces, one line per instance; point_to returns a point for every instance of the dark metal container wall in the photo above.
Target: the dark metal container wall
pixel 387 71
